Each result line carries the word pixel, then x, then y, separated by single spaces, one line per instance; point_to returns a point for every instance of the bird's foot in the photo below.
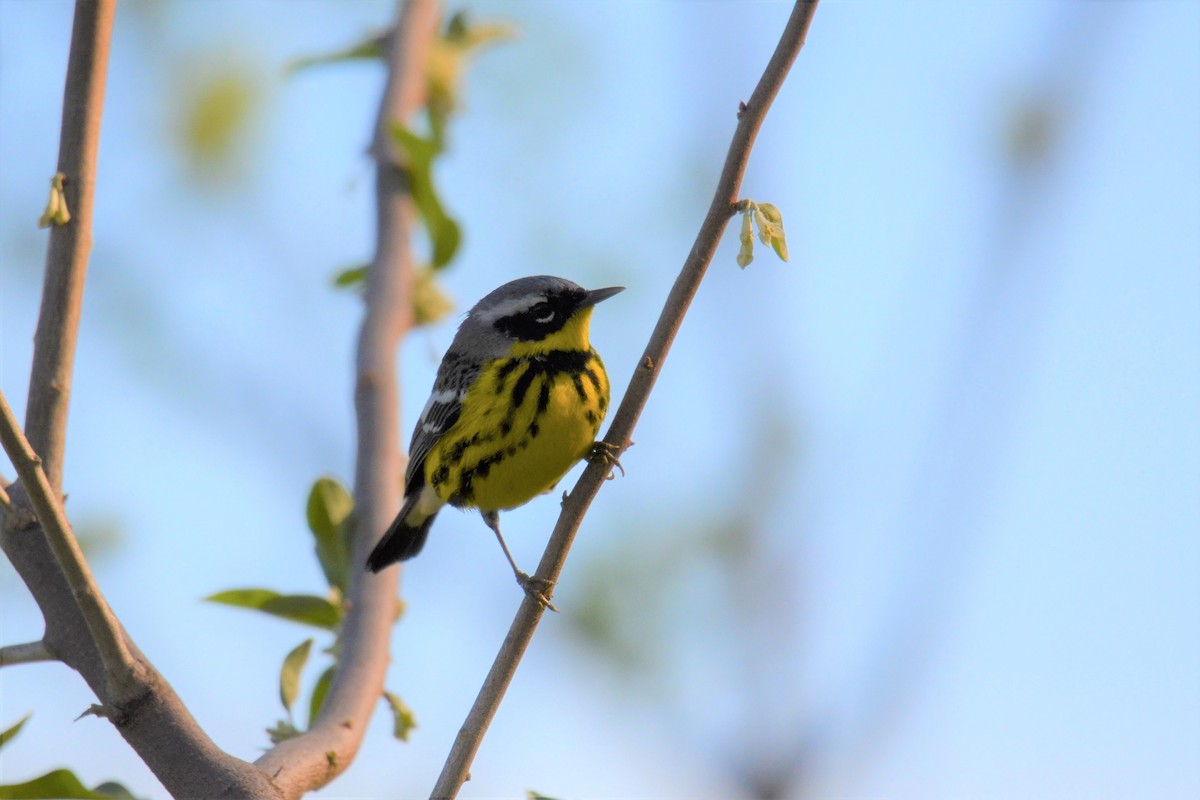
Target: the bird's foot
pixel 605 453
pixel 537 588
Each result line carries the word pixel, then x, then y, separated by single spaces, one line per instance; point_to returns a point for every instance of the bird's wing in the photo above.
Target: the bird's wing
pixel 441 411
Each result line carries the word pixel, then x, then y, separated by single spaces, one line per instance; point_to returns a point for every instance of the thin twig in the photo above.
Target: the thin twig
pixel 70 244
pixel 121 669
pixel 313 759
pixel 25 653
pixel 723 206
pixel 5 500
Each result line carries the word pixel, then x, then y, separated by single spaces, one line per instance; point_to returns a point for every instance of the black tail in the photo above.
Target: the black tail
pixel 401 541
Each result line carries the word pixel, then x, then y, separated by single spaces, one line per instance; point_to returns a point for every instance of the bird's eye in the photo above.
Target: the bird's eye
pixel 542 313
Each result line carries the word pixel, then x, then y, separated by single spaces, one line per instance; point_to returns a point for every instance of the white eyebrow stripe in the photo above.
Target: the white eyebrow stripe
pixel 511 306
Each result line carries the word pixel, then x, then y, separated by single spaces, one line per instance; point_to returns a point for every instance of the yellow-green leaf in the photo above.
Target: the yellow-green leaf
pixel 370 48
pixel 405 720
pixel 64 785
pixel 289 674
pixel 771 212
pixel 430 303
pixel 56 212
pixel 7 735
pixel 351 277
pixel 746 253
pixel 329 508
pixel 319 692
pixel 305 608
pixel 418 154
pixel 282 731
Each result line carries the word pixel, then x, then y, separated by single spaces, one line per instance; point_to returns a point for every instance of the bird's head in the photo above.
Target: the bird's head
pixel 533 315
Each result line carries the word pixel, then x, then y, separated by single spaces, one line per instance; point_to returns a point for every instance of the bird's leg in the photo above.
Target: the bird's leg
pixel 537 588
pixel 605 453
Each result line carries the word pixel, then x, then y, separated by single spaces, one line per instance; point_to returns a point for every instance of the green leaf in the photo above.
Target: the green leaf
pixel 61 784
pixel 774 226
pixel 329 508
pixel 746 236
pixel 430 303
pixel 447 61
pixel 56 212
pixel 8 735
pixel 771 212
pixel 369 48
pixel 289 675
pixel 305 608
pixel 282 731
pixel 113 791
pixel 444 233
pixel 405 720
pixel 530 794
pixel 351 277
pixel 319 692
pixel 764 226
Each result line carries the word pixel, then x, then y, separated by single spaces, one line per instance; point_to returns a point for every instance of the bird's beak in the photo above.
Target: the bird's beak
pixel 596 295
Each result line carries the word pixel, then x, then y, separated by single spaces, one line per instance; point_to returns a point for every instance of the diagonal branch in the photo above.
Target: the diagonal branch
pixel 70 244
pixel 313 759
pixel 723 206
pixel 121 672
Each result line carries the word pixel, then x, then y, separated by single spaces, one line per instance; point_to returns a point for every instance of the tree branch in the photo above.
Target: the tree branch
pixel 315 758
pixel 70 244
pixel 25 653
pixel 80 629
pixel 121 673
pixel 723 206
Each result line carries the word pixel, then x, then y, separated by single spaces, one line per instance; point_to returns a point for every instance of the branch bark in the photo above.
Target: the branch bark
pixel 25 653
pixel 142 706
pixel 70 244
pixel 315 758
pixel 723 207
pixel 124 681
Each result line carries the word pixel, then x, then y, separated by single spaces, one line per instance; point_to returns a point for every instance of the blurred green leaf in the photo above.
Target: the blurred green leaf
pixel 329 509
pixel 418 154
pixel 352 277
pixel 289 674
pixel 405 720
pixel 447 61
pixel 368 49
pixel 283 731
pixel 304 608
pixel 215 117
pixel 530 794
pixel 61 784
pixel 319 692
pixel 430 303
pixel 113 791
pixel 7 735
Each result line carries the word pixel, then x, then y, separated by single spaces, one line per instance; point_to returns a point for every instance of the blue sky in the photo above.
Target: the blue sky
pixel 974 392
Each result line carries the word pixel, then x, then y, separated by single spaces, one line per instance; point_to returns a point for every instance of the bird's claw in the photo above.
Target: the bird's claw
pixel 537 588
pixel 606 453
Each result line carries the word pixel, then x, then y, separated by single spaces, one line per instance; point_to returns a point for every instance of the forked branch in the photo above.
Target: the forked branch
pixel 723 207
pixel 80 629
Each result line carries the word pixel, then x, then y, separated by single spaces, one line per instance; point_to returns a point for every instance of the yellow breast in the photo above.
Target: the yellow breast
pixel 525 421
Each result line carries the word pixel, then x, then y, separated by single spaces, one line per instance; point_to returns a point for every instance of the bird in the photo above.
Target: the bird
pixel 517 401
